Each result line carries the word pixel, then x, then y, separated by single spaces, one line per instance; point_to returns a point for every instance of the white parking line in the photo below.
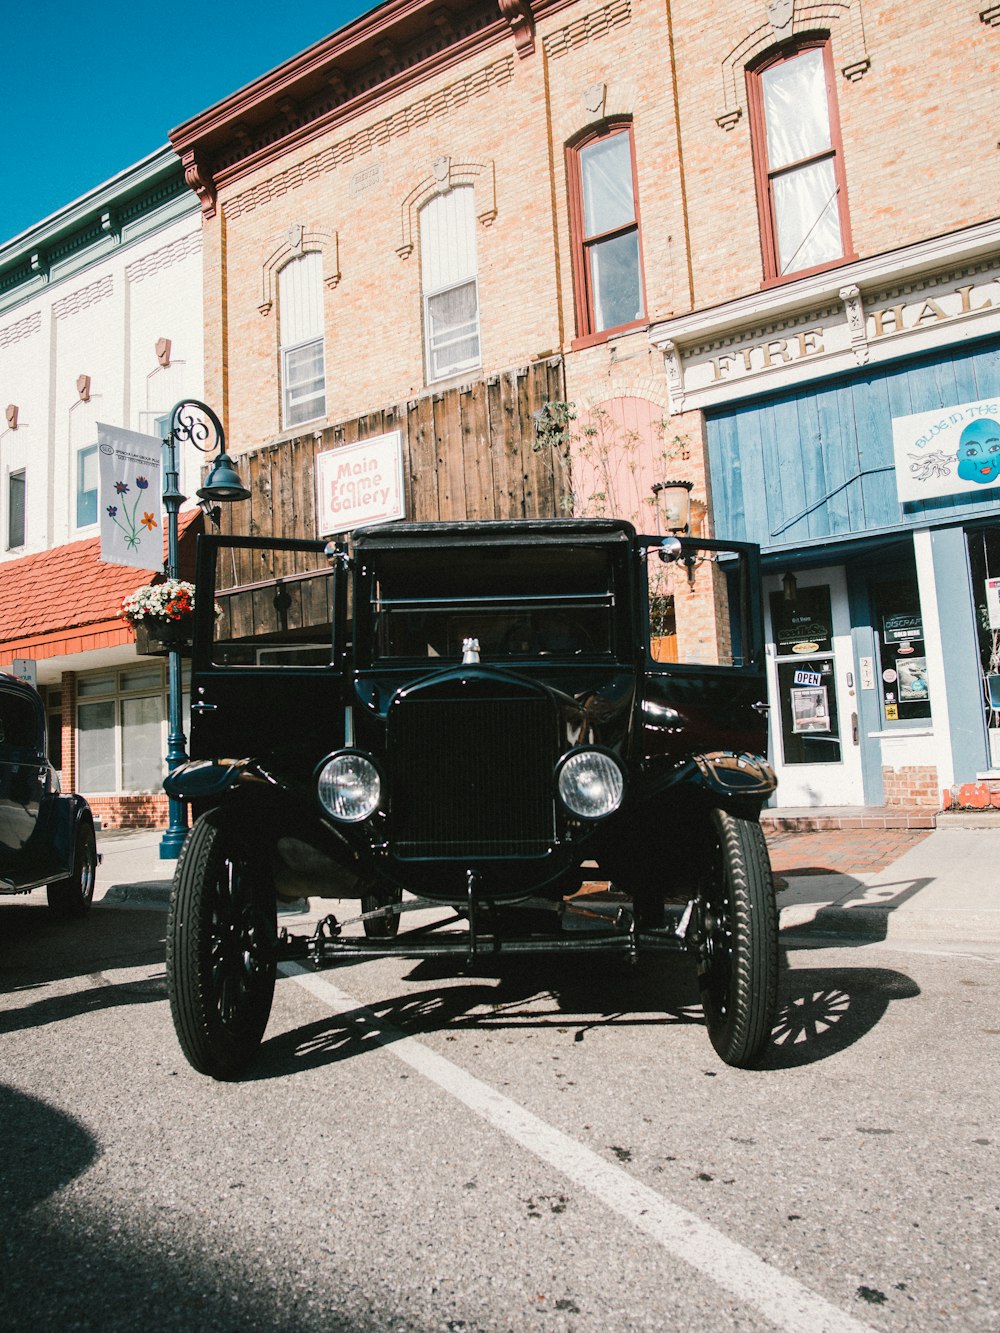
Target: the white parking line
pixel 785 1302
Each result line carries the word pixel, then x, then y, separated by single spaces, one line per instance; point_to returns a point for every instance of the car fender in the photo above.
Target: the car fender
pixel 201 779
pixel 735 773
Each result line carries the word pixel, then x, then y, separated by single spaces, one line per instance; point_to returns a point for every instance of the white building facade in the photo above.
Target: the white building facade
pixel 101 320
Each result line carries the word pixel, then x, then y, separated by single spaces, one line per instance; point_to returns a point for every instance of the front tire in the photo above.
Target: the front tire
pixel 221 934
pixel 737 941
pixel 73 896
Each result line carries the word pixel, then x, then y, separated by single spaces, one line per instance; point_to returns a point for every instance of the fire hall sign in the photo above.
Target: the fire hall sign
pixel 854 330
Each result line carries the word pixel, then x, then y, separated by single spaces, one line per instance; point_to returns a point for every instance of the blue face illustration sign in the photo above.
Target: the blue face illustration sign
pixel 979 451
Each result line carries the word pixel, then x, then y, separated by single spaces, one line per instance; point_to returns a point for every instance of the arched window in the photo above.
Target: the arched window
pixel 448 275
pixel 798 161
pixel 604 223
pixel 300 321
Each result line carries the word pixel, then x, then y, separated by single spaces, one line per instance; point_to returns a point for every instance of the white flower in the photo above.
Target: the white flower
pixel 171 600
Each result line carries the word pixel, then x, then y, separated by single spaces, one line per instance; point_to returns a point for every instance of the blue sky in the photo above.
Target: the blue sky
pixel 88 91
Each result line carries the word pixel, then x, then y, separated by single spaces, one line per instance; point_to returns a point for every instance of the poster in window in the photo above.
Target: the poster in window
pixel 912 680
pixel 810 710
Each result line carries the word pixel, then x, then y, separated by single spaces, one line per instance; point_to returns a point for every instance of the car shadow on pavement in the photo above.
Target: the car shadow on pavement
pixel 821 1011
pixel 824 1010
pixel 70 1260
pixel 38 951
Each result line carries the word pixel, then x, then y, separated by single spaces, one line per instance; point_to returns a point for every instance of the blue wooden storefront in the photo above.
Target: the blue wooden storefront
pixel 808 474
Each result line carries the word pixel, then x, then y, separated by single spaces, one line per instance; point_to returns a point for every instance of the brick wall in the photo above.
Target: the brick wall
pixel 132 811
pixel 912 785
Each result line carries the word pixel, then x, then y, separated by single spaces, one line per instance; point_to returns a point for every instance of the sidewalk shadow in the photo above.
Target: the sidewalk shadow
pixel 849 912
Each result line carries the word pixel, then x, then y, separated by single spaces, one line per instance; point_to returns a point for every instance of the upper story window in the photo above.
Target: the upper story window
pixel 604 218
pixel 86 486
pixel 448 273
pixel 15 510
pixel 300 315
pixel 799 162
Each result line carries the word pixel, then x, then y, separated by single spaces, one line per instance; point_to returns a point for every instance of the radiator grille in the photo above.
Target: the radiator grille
pixel 472 778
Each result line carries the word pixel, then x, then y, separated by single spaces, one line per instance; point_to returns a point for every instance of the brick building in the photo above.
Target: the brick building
pixel 100 321
pixel 567 249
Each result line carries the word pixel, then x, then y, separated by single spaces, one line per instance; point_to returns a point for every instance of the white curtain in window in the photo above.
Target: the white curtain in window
pixel 142 744
pixel 96 747
pixel 300 311
pixel 796 113
pixel 608 201
pixel 448 276
pixel 300 300
pixel 797 121
pixel 448 239
pixel 807 218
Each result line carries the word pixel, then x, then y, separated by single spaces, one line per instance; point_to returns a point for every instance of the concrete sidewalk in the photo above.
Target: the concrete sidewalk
pixel 939 886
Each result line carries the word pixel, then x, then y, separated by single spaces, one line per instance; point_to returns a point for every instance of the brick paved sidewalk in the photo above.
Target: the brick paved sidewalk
pixel 844 851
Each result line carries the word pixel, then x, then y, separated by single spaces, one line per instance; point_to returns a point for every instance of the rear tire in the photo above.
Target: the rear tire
pixel 221 934
pixel 737 941
pixel 73 896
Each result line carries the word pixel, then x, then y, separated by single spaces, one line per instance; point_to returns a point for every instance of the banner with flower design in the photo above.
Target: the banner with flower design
pixel 129 498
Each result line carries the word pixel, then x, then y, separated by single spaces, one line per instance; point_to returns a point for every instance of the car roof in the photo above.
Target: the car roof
pixel 489 532
pixel 15 684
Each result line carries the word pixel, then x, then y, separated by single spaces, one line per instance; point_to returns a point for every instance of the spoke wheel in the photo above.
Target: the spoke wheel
pixel 737 941
pixel 382 927
pixel 73 896
pixel 220 948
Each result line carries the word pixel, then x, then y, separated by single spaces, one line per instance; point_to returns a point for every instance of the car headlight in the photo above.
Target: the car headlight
pixel 590 783
pixel 349 786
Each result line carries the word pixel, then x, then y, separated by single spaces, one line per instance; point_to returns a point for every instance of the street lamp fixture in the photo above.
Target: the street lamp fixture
pixel 674 500
pixel 191 422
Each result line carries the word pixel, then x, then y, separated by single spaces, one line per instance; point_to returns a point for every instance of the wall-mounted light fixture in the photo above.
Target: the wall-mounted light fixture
pixel 789 586
pixel 674 501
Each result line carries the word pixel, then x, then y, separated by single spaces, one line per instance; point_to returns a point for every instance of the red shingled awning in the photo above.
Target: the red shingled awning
pixel 67 600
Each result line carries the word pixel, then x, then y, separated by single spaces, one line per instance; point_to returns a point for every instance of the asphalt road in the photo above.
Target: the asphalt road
pixel 546 1146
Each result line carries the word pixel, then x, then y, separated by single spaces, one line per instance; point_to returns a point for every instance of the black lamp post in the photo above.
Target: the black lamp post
pixel 191 422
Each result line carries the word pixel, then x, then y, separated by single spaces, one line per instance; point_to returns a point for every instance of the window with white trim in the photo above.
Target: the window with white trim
pixel 15 509
pixel 799 161
pixel 300 318
pixel 604 218
pixel 86 486
pixel 450 284
pixel 121 728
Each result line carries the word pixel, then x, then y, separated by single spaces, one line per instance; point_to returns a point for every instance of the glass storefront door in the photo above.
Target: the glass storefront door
pixel 812 689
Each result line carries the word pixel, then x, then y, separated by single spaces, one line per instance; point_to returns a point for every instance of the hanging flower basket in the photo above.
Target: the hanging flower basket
pixel 161 616
pixel 158 637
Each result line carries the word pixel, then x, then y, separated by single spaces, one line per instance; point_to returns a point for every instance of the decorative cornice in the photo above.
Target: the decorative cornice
pixel 200 180
pixel 396 47
pixel 522 24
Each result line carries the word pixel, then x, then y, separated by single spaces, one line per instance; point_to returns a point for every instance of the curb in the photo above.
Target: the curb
pixel 151 891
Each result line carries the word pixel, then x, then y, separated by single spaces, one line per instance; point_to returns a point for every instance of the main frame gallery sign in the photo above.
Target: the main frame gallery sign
pixel 953 450
pixel 360 483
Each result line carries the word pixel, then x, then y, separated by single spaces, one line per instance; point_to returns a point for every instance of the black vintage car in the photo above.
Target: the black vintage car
pixel 46 838
pixel 488 717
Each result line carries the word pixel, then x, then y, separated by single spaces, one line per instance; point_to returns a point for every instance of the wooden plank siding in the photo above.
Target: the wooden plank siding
pixel 816 462
pixel 468 453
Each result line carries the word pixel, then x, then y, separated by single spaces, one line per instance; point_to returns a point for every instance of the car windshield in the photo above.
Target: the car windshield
pixel 515 602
